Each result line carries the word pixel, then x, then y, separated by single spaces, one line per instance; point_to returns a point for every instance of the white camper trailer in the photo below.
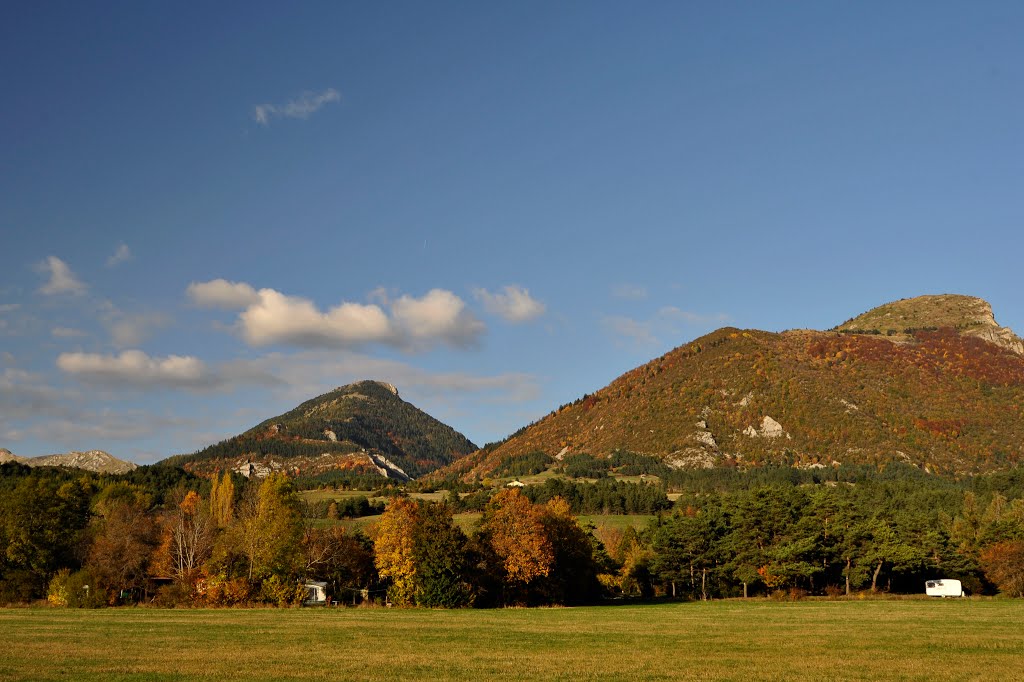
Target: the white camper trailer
pixel 944 588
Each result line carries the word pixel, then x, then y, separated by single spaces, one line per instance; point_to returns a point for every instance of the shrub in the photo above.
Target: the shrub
pixel 282 592
pixel 74 590
pixel 220 592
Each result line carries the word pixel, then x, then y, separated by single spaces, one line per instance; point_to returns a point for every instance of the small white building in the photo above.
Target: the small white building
pixel 316 593
pixel 944 588
pixel 515 484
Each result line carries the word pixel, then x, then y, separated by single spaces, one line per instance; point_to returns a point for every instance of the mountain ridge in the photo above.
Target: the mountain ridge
pixel 98 461
pixel 939 391
pixel 360 428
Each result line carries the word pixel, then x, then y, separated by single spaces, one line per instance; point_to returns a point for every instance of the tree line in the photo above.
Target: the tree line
pixel 85 540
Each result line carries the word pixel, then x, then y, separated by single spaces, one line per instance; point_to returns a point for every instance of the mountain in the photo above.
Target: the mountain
pixel 968 315
pixel 8 456
pixel 92 460
pixel 363 428
pixel 932 381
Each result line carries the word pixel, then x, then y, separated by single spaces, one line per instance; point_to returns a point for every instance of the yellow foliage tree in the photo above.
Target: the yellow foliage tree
pixel 394 546
pixel 222 500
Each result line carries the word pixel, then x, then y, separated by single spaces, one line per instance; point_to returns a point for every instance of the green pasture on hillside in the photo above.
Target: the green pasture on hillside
pixel 734 640
pixel 467 521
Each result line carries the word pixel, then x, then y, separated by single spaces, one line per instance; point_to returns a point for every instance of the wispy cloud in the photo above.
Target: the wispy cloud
pixel 130 329
pixel 301 107
pixel 66 333
pixel 61 279
pixel 629 292
pixel 121 255
pixel 135 369
pixel 220 293
pixel 317 371
pixel 665 322
pixel 513 303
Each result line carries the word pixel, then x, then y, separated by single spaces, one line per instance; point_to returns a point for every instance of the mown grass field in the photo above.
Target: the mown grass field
pixel 734 640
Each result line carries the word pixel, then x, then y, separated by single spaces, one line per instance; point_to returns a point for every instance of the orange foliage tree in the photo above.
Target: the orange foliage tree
pixel 1003 564
pixel 517 534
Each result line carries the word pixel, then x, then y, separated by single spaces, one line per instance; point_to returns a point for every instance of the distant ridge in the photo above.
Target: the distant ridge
pixel 362 428
pixel 931 381
pixel 91 460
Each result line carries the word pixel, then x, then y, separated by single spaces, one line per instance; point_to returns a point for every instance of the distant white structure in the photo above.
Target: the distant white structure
pixel 316 593
pixel 944 588
pixel 515 484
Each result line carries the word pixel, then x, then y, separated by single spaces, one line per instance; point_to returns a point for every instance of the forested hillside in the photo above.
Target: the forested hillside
pixel 946 395
pixel 361 428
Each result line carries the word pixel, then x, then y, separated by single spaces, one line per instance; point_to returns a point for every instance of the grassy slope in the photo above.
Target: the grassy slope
pixel 756 640
pixel 947 310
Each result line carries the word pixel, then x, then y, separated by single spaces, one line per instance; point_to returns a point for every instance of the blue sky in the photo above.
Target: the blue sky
pixel 211 213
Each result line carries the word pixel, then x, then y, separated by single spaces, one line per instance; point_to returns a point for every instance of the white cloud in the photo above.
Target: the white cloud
pixel 629 292
pixel 301 107
pixel 9 307
pixel 278 318
pixel 121 255
pixel 270 317
pixel 220 293
pixel 62 279
pixel 440 315
pixel 514 304
pixel 66 332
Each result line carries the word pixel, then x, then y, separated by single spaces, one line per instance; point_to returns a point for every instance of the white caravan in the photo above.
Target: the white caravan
pixel 944 588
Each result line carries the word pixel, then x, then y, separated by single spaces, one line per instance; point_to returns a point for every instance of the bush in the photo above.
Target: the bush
pixel 74 590
pixel 282 592
pixel 220 592
pixel 174 595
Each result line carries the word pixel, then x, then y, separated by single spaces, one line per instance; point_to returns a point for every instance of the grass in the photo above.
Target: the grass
pixel 330 494
pixel 731 640
pixel 617 521
pixel 468 521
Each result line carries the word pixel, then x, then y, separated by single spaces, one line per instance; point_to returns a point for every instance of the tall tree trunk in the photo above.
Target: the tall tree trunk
pixel 703 584
pixel 673 588
pixel 874 578
pixel 847 576
pixel 744 590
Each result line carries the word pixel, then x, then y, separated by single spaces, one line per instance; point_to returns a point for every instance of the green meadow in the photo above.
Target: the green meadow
pixel 910 639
